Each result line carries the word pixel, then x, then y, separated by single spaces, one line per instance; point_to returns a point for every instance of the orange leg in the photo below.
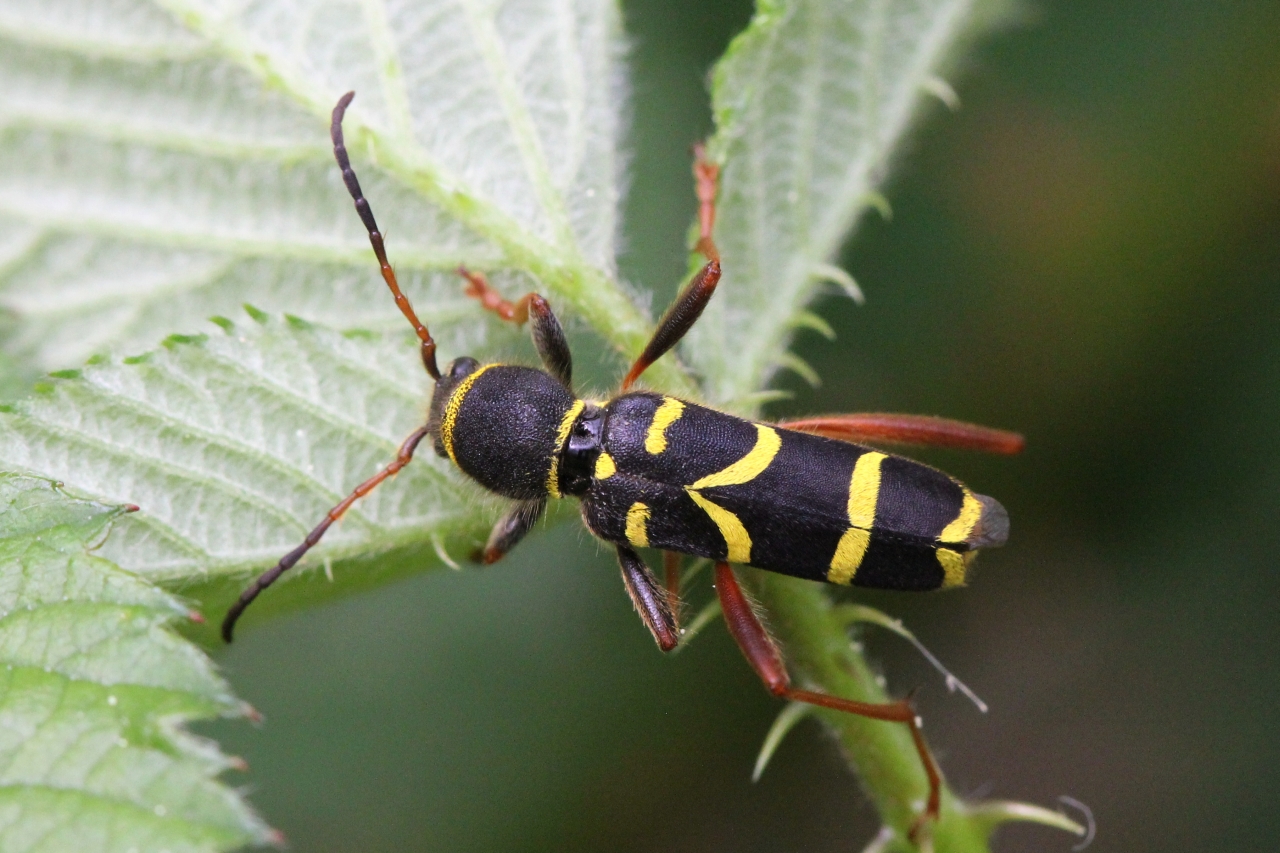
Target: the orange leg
pixel 761 651
pixel 688 306
pixel 706 178
pixel 289 560
pixel 910 429
pixel 548 335
pixel 671 563
pixel 514 312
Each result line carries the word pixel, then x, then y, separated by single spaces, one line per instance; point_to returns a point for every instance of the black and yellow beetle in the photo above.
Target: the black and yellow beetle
pixel 653 471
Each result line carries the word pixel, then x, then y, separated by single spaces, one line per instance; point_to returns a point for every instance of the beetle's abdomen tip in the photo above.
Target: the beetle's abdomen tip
pixel 992 529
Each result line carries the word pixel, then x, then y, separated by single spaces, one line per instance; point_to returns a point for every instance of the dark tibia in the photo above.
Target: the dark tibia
pixel 684 312
pixel 680 317
pixel 511 528
pixel 549 339
pixel 649 598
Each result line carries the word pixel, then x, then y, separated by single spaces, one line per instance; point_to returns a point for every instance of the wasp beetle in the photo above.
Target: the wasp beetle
pixel 653 471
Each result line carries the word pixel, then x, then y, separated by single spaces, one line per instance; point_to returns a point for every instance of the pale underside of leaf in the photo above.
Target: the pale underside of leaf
pixel 152 179
pixel 235 444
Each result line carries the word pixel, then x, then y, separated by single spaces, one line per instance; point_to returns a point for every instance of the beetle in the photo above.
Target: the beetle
pixel 653 471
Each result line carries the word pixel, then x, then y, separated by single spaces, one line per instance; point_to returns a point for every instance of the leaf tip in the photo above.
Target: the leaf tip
pixel 256 314
pixel 943 91
pixel 810 320
pixel 992 814
pixel 178 340
pixel 797 365
pixel 840 277
pixel 782 726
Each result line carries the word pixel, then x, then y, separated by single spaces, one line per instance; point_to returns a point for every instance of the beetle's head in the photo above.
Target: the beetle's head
pixel 504 426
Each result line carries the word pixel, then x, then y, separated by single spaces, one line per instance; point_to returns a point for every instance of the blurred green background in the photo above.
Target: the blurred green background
pixel 1089 252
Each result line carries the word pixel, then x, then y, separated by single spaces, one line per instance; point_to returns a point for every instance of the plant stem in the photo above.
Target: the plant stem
pixel 818 650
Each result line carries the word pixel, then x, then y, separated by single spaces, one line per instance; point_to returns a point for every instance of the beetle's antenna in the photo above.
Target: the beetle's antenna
pixel 288 561
pixel 375 237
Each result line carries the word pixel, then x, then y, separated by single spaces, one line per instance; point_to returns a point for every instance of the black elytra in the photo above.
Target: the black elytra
pixel 654 471
pixel 657 472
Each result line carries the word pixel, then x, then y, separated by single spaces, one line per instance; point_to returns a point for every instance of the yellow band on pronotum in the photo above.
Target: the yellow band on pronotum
pixel 451 410
pixel 562 435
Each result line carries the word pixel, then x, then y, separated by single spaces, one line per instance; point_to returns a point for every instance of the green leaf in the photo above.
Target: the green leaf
pixel 94 692
pixel 162 168
pixel 811 102
pixel 235 443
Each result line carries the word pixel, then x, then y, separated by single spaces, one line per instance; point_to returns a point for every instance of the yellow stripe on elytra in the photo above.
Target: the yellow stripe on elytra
pixel 955 566
pixel 562 435
pixel 748 467
pixel 451 409
pixel 864 490
pixel 655 440
pixel 735 535
pixel 849 553
pixel 638 525
pixel 605 467
pixel 959 529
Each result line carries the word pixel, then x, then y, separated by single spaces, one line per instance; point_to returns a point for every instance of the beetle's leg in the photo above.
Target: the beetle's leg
pixel 511 528
pixel 766 660
pixel 679 318
pixel 375 236
pixel 671 561
pixel 688 306
pixel 706 182
pixel 548 335
pixel 288 561
pixel 910 429
pixel 649 598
